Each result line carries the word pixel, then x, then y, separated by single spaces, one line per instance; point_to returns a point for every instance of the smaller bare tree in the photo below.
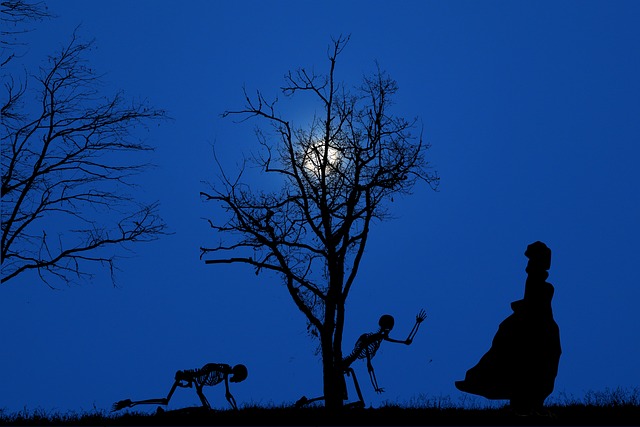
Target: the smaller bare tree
pixel 67 160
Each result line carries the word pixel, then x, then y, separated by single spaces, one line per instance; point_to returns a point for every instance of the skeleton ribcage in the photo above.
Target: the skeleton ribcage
pixel 366 343
pixel 208 375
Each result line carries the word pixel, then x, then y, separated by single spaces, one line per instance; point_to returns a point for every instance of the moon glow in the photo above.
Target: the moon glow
pixel 314 158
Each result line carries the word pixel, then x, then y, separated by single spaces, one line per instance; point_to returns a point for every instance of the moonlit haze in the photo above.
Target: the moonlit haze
pixel 315 155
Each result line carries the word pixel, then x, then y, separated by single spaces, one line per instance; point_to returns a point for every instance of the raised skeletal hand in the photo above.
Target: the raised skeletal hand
pixel 419 319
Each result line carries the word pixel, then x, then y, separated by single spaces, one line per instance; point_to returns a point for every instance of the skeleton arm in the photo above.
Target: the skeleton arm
pixel 372 375
pixel 394 340
pixel 228 394
pixel 419 319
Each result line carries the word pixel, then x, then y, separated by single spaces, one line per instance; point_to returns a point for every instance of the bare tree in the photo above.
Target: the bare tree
pixel 336 174
pixel 14 15
pixel 67 160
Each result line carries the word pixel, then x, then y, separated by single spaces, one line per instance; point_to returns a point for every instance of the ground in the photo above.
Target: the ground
pixel 583 415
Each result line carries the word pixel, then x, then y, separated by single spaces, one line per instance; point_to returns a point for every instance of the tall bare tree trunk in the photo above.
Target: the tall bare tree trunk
pixel 333 374
pixel 333 378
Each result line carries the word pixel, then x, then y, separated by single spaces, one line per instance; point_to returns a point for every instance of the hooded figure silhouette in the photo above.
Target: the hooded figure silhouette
pixel 522 363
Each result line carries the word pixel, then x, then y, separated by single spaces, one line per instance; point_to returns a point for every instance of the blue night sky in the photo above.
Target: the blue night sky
pixel 532 109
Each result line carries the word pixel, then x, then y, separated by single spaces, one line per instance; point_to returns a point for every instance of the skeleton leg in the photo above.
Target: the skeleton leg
pixel 305 401
pixel 202 397
pixel 348 372
pixel 345 393
pixel 127 403
pixel 360 402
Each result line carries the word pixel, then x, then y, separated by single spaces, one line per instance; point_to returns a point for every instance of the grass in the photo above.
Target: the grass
pixel 597 408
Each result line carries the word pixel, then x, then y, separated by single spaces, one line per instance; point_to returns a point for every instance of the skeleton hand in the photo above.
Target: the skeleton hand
pixel 421 316
pixel 126 403
pixel 231 400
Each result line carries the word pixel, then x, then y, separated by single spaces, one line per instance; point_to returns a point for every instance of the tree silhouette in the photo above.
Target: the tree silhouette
pixel 336 174
pixel 14 17
pixel 67 158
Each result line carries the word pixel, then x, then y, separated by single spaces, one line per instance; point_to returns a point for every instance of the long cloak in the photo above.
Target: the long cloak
pixel 522 362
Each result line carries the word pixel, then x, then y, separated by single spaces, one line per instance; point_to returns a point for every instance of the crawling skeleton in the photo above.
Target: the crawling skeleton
pixel 209 375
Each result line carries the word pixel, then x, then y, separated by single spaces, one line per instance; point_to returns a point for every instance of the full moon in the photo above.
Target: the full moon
pixel 315 155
